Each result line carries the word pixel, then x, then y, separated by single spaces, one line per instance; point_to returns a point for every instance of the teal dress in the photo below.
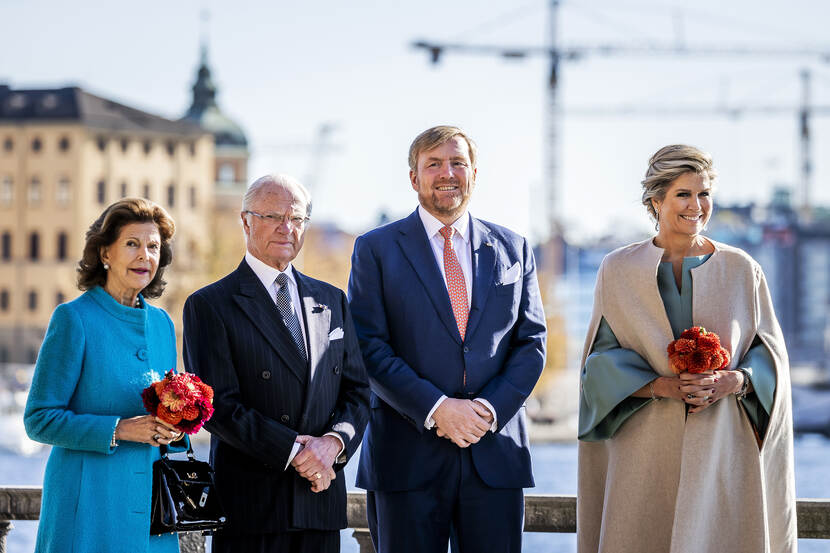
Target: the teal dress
pixel 611 373
pixel 96 358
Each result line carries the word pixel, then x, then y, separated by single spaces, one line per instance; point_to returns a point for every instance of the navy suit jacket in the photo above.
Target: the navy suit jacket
pixel 414 352
pixel 235 340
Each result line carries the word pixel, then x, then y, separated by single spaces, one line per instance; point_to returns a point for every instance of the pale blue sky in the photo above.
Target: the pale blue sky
pixel 284 68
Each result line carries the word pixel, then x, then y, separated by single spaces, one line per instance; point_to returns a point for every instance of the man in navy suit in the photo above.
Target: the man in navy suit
pixel 450 322
pixel 291 392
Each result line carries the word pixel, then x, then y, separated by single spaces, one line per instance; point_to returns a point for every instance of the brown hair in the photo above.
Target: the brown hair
pixel 668 163
pixel 434 137
pixel 104 232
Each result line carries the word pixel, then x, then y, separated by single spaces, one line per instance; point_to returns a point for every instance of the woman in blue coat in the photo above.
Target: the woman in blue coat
pixel 99 352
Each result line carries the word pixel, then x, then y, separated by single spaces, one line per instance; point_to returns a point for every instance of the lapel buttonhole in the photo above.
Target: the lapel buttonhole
pixel 318 308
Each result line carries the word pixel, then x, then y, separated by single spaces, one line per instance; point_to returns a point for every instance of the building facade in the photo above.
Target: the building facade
pixel 65 155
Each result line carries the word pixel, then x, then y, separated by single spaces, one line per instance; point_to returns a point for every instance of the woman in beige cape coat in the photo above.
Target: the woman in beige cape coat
pixel 661 480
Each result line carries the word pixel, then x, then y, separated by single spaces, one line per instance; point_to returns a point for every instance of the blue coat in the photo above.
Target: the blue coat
pixel 414 352
pixel 96 358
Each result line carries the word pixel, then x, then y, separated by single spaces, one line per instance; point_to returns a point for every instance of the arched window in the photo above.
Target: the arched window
pixel 37 144
pixel 63 144
pixel 6 246
pixel 4 300
pixel 101 192
pixel 146 192
pixel 63 194
pixel 7 191
pixel 124 189
pixel 192 197
pixel 63 239
pixel 32 300
pixel 34 191
pixel 171 195
pixel 34 246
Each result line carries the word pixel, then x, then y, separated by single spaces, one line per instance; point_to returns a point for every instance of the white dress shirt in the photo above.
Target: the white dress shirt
pixel 461 245
pixel 268 276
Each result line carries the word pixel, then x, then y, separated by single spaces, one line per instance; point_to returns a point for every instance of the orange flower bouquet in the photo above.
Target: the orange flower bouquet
pixel 180 399
pixel 697 351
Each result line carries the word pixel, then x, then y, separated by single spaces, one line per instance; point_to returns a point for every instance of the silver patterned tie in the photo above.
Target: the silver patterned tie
pixel 289 316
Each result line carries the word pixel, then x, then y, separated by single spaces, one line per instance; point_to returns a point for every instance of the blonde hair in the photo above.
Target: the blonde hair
pixel 668 163
pixel 434 137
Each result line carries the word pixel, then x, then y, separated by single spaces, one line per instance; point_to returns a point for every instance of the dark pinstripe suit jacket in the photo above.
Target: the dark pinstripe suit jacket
pixel 235 340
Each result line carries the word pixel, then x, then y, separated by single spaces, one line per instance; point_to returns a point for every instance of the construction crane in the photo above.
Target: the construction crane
pixel 804 111
pixel 556 54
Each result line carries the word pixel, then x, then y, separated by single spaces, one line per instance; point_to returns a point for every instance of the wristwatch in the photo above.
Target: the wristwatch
pixel 740 394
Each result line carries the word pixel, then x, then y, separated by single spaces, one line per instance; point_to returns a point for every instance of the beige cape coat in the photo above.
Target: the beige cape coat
pixel 666 483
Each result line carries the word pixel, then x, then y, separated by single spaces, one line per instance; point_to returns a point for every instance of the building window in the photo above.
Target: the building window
pixel 34 191
pixel 32 300
pixel 226 173
pixel 102 143
pixel 192 148
pixel 32 355
pixel 6 246
pixel 37 145
pixel 4 300
pixel 171 149
pixel 63 144
pixel 34 246
pixel 192 196
pixel 7 191
pixel 4 355
pixel 171 195
pixel 8 144
pixel 62 193
pixel 63 239
pixel 146 192
pixel 59 298
pixel 125 145
pixel 124 189
pixel 101 192
pixel 148 147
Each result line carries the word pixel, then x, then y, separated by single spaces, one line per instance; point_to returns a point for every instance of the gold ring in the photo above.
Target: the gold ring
pixel 318 476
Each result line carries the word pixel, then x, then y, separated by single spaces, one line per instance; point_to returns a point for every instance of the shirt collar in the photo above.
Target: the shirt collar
pixel 433 225
pixel 267 274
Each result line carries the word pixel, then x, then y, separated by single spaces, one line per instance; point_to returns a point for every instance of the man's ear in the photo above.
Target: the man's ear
pixel 413 179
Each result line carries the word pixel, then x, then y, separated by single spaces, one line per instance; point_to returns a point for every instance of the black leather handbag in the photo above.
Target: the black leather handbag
pixel 184 496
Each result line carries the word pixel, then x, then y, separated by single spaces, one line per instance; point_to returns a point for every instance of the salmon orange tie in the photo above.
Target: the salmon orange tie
pixel 455 282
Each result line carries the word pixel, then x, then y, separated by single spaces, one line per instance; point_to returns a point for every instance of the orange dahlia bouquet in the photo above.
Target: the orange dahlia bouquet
pixel 180 399
pixel 697 351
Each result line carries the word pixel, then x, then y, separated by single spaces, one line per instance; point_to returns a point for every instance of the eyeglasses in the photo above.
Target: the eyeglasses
pixel 294 221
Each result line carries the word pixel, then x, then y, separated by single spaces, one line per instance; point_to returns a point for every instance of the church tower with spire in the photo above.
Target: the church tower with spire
pixel 230 170
pixel 231 166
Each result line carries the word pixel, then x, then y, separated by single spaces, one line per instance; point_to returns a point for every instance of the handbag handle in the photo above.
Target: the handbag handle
pixel 165 451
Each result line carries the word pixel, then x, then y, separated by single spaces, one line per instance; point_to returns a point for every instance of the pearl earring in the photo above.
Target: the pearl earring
pixel 106 267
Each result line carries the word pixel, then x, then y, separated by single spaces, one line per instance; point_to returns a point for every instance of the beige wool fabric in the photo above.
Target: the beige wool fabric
pixel 666 483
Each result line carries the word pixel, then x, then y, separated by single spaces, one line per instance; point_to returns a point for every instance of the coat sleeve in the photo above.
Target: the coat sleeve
pixel 207 352
pixel 510 387
pixel 352 411
pixel 610 375
pixel 48 417
pixel 392 379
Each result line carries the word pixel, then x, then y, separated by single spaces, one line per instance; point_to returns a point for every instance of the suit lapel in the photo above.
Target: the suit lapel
pixel 414 243
pixel 257 305
pixel 484 261
pixel 317 317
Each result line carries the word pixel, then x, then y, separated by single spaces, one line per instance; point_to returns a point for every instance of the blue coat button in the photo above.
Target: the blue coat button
pixel 141 354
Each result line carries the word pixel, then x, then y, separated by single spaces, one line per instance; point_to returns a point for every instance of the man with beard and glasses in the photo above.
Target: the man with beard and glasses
pixel 451 326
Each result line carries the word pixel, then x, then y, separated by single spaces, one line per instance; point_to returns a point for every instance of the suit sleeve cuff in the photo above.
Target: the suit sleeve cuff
pixel 429 423
pixel 341 455
pixel 294 450
pixel 489 407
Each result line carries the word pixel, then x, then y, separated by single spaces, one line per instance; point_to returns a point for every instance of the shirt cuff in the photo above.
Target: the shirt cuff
pixel 489 407
pixel 340 457
pixel 429 423
pixel 294 450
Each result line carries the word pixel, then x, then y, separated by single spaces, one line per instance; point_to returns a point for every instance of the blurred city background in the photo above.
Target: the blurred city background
pixel 186 103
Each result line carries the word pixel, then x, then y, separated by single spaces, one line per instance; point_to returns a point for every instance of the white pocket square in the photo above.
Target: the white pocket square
pixel 336 334
pixel 512 274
